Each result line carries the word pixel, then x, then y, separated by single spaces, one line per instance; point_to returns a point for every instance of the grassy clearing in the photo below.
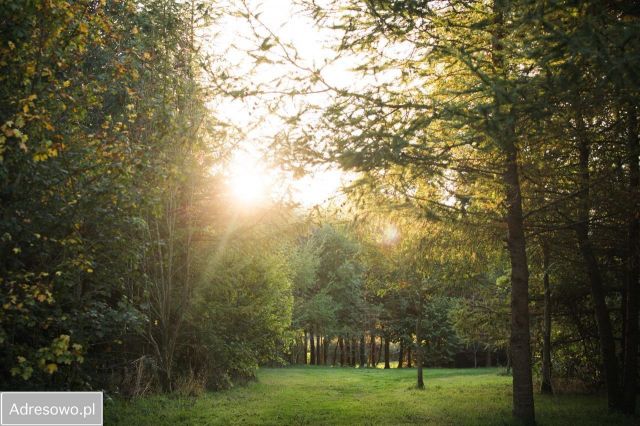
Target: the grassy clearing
pixel 324 395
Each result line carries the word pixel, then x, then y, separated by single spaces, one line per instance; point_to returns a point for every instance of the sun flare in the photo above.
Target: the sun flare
pixel 248 188
pixel 390 235
pixel 249 182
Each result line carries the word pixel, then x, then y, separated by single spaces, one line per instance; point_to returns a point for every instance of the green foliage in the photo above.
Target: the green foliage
pixel 439 339
pixel 242 308
pixel 328 283
pixel 106 147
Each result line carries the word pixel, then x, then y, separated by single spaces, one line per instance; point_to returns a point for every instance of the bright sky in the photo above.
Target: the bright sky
pixel 251 177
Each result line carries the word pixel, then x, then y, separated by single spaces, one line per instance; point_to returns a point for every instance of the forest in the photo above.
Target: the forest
pixel 323 211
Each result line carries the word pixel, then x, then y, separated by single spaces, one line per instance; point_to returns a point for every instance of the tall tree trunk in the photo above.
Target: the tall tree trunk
pixel 505 137
pixel 341 344
pixel 386 352
pixel 306 348
pixel 419 361
pixel 325 347
pixel 313 348
pixel 475 355
pixel 335 354
pixel 372 353
pixel 378 353
pixel 354 348
pixel 318 350
pixel 409 365
pixel 347 349
pixel 520 334
pixel 632 288
pixel 545 385
pixel 401 353
pixel 363 358
pixel 488 363
pixel 598 294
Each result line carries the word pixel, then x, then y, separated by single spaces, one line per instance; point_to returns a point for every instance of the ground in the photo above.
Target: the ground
pixel 325 395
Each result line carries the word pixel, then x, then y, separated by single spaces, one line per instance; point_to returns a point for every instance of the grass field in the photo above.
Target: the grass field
pixel 324 395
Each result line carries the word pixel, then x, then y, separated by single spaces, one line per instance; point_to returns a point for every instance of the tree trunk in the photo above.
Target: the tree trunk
pixel 409 356
pixel 313 348
pixel 327 344
pixel 598 294
pixel 475 355
pixel 545 385
pixel 488 363
pixel 386 352
pixel 347 349
pixel 420 373
pixel 335 354
pixel 419 361
pixel 341 344
pixel 318 350
pixel 378 352
pixel 363 358
pixel 505 137
pixel 632 288
pixel 401 353
pixel 520 335
pixel 306 348
pixel 354 349
pixel 372 353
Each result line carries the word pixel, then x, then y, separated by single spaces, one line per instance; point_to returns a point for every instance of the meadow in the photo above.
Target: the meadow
pixel 325 395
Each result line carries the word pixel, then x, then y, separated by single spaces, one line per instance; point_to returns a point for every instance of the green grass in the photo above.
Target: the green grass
pixel 324 395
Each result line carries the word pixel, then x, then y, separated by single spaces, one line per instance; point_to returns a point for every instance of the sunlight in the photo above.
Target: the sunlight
pixel 320 187
pixel 248 188
pixel 249 182
pixel 390 235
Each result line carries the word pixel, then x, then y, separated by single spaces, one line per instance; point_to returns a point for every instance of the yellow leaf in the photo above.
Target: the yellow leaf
pixel 52 368
pixel 66 83
pixel 41 297
pixel 39 157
